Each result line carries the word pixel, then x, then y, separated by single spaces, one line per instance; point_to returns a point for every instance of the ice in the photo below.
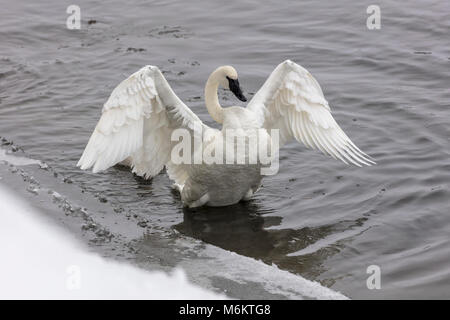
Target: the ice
pixel 250 272
pixel 16 160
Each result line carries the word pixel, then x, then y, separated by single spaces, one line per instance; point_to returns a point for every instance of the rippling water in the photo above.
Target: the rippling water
pixel 388 88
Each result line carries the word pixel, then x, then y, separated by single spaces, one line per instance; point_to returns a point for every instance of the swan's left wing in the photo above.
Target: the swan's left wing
pixel 292 101
pixel 136 125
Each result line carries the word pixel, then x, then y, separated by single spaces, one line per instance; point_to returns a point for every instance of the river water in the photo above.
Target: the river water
pixel 318 218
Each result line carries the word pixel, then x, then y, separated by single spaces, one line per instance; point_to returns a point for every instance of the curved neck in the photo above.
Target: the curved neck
pixel 211 98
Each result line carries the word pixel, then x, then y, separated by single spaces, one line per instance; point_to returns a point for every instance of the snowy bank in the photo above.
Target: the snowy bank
pixel 39 261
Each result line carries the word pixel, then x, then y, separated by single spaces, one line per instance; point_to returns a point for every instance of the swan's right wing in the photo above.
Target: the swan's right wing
pixel 292 101
pixel 136 125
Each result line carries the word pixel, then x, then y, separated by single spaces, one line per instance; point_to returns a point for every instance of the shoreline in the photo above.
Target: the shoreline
pixel 111 235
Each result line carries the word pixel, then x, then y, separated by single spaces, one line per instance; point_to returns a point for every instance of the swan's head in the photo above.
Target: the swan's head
pixel 229 80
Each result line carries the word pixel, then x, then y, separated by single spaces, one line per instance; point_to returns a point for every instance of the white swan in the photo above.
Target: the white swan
pixel 142 113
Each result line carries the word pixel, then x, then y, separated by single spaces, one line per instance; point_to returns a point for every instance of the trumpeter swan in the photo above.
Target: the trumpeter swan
pixel 143 112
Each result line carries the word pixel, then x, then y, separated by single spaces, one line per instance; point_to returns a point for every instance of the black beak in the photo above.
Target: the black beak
pixel 236 89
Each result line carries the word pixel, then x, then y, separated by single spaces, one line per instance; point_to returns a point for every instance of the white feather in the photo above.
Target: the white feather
pixel 292 101
pixel 136 124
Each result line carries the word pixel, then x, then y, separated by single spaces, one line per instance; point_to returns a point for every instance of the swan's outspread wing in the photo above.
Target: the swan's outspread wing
pixel 292 101
pixel 136 124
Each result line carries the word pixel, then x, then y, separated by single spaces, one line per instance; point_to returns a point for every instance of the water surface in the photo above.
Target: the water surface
pixel 388 89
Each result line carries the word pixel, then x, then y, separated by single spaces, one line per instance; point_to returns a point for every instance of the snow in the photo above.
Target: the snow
pixel 40 261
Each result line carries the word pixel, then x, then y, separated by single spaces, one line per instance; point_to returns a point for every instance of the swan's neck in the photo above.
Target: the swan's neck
pixel 211 98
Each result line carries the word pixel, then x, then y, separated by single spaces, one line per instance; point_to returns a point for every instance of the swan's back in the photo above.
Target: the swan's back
pixel 238 117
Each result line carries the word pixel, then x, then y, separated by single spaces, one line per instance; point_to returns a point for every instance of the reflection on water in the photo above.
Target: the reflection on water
pixel 239 228
pixel 245 228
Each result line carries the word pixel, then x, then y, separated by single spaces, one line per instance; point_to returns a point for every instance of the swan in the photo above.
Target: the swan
pixel 143 112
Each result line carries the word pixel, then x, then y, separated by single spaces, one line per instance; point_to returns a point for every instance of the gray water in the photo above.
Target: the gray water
pixel 318 218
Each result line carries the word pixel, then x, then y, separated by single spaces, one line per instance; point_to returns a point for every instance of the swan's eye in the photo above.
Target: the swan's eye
pixel 236 89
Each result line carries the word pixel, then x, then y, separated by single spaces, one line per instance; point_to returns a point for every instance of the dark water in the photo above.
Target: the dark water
pixel 388 88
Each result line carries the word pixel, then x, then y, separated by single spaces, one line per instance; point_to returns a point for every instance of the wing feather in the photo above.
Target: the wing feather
pixel 136 124
pixel 292 101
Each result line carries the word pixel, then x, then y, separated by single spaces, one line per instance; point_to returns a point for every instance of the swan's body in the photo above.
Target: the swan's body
pixel 142 113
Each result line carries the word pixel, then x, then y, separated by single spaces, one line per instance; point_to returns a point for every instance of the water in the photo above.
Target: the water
pixel 318 218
